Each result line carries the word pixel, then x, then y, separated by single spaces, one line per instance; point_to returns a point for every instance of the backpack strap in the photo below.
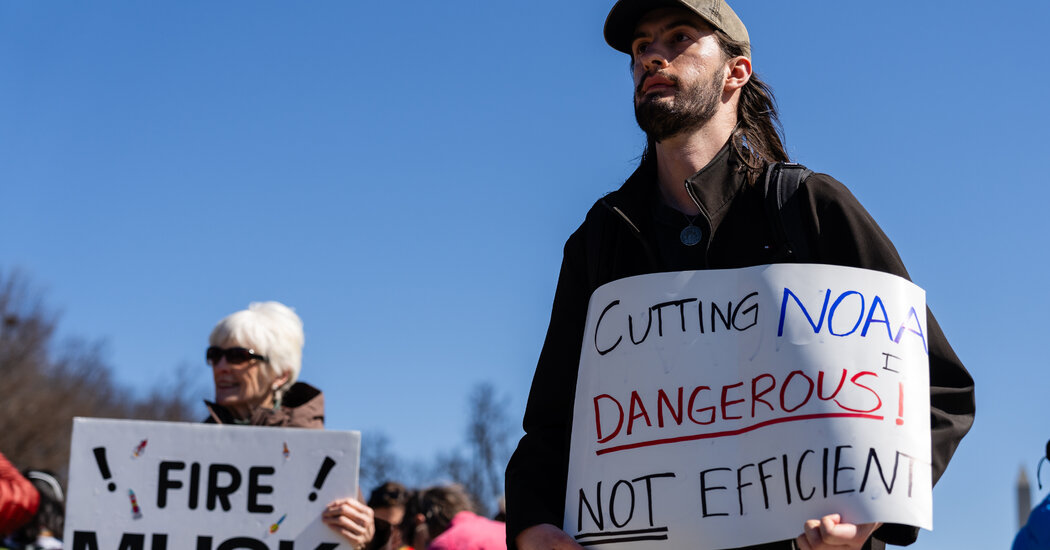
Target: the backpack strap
pixel 789 233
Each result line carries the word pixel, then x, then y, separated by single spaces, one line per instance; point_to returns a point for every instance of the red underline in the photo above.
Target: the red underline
pixel 671 440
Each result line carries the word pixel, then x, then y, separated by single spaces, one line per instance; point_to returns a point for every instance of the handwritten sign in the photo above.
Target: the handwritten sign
pixel 718 409
pixel 158 485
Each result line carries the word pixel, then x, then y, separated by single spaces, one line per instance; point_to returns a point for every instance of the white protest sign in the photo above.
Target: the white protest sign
pixel 719 409
pixel 136 485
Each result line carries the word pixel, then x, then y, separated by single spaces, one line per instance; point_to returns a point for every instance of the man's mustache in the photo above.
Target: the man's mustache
pixel 670 77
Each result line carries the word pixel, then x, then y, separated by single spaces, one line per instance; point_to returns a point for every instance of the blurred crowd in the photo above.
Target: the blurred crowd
pixel 255 357
pixel 437 518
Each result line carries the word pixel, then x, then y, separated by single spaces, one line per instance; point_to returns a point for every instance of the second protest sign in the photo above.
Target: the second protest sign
pixel 136 485
pixel 718 409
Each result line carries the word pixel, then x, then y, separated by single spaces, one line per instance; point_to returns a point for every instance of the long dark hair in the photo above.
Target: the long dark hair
pixel 438 505
pixel 758 138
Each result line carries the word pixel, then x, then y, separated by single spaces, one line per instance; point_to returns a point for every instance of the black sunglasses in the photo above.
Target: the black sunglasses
pixel 234 356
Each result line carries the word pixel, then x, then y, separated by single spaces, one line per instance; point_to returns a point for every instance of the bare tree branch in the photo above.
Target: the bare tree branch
pixel 47 384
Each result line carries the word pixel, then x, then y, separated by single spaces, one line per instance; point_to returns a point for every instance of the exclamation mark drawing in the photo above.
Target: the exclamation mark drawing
pixel 103 466
pixel 900 403
pixel 321 475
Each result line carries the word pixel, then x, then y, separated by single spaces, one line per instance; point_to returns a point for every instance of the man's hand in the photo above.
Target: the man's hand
pixel 545 537
pixel 830 533
pixel 351 519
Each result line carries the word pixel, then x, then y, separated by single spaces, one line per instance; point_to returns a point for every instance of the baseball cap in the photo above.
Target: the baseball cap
pixel 624 16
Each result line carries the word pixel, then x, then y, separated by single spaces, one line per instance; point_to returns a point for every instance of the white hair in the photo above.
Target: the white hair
pixel 271 329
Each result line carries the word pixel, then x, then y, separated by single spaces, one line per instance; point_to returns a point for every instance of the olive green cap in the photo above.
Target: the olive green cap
pixel 624 16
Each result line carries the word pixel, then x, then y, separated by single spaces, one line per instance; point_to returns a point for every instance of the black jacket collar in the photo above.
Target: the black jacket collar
pixel 713 187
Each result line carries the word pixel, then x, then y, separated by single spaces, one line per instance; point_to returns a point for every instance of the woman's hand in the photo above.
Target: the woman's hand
pixel 830 533
pixel 545 537
pixel 352 520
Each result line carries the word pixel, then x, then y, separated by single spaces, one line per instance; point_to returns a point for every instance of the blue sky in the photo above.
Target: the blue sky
pixel 405 174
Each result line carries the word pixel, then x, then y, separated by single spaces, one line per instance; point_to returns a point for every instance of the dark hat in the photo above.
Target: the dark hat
pixel 624 16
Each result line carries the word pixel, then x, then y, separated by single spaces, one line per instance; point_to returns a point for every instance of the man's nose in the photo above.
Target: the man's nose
pixel 654 58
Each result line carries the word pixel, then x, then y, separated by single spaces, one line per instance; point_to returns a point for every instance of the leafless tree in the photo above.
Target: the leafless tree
pixel 46 384
pixel 480 468
pixel 378 461
pixel 487 434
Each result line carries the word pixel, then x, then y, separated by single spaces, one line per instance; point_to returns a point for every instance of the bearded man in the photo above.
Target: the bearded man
pixel 697 202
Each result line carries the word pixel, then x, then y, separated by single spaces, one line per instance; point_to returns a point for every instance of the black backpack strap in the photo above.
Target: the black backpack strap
pixel 789 233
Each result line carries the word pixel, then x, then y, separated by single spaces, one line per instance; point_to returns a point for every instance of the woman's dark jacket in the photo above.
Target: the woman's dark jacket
pixel 630 232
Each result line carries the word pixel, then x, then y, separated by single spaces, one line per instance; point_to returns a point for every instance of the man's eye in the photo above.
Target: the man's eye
pixel 681 37
pixel 640 48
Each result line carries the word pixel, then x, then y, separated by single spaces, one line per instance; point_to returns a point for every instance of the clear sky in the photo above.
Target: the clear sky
pixel 405 174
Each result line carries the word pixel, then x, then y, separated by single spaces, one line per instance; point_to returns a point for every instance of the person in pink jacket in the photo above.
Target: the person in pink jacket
pixel 442 518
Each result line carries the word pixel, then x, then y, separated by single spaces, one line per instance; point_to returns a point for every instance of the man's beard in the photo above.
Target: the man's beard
pixel 690 109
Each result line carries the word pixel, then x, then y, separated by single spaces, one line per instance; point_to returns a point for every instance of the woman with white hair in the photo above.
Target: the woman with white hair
pixel 256 355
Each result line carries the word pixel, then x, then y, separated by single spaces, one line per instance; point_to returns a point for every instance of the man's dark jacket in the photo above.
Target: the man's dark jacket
pixel 630 232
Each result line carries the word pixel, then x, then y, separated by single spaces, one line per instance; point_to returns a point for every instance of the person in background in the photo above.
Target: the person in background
pixel 1035 535
pixel 255 356
pixel 18 498
pixel 43 530
pixel 442 518
pixel 388 502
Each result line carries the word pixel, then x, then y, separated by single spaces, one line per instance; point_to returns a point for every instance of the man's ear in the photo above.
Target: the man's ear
pixel 739 72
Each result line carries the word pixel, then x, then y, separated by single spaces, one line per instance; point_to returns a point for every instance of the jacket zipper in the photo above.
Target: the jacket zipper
pixel 696 201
